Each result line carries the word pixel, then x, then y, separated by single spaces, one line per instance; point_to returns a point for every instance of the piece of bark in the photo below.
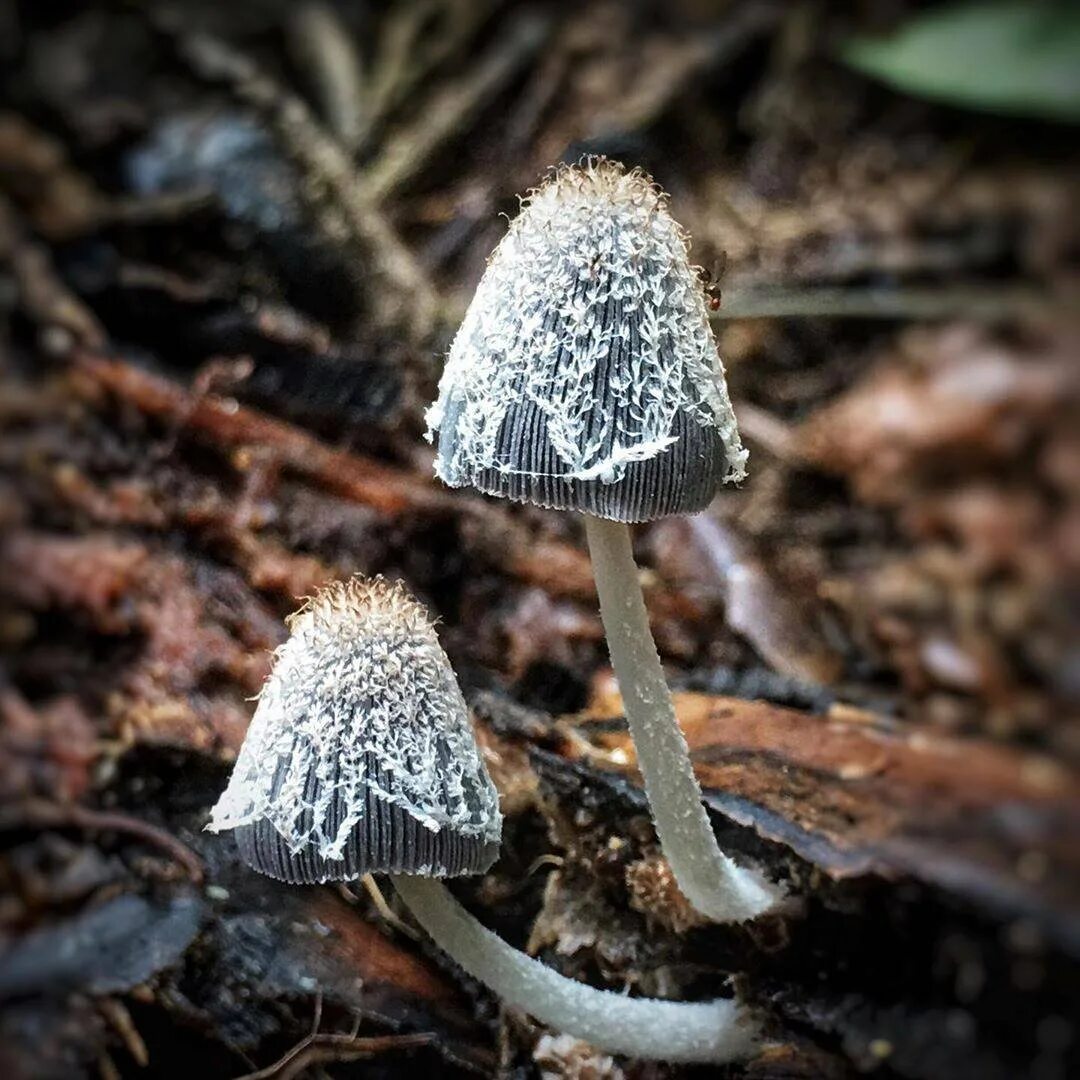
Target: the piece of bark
pixel 862 796
pixel 935 880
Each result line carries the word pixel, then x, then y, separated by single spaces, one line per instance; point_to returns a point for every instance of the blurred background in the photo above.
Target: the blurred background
pixel 235 243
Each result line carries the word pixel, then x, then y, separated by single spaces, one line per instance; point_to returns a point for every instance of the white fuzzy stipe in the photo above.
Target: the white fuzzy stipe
pixel 361 678
pixel 709 1032
pixel 713 883
pixel 589 313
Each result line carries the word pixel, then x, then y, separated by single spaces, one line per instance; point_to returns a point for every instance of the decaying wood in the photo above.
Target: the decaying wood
pixel 855 796
pixel 959 854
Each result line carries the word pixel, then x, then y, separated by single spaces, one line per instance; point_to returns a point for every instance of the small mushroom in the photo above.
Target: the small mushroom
pixel 360 755
pixel 361 758
pixel 585 377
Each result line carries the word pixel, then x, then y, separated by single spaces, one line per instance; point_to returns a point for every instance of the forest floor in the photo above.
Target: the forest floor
pixel 234 245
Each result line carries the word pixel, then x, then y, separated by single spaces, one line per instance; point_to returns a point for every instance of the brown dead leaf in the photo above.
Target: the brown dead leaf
pixel 706 556
pixel 953 396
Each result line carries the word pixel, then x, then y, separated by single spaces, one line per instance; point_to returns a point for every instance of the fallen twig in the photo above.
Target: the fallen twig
pixel 402 61
pixel 970 302
pixel 446 116
pixel 396 45
pixel 364 480
pixel 667 76
pixel 386 912
pixel 404 297
pixel 322 45
pixel 46 300
pixel 323 1049
pixel 60 202
pixel 116 1013
pixel 39 813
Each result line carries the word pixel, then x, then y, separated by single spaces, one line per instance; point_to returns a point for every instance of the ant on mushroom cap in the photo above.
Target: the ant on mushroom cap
pixel 711 280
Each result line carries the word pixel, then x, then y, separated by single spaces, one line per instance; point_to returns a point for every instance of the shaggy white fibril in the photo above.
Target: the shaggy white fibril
pixel 593 267
pixel 361 678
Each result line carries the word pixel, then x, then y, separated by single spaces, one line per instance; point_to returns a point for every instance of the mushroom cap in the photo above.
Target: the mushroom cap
pixel 360 756
pixel 585 374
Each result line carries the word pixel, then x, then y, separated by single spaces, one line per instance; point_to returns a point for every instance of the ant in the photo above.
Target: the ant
pixel 710 280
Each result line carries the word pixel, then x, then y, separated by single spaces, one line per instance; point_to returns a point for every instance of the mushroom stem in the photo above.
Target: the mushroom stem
pixel 714 1031
pixel 708 878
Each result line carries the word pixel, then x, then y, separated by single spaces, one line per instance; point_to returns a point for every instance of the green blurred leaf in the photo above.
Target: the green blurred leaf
pixel 1014 56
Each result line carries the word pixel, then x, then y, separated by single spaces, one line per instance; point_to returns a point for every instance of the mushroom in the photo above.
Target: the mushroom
pixel 361 757
pixel 585 377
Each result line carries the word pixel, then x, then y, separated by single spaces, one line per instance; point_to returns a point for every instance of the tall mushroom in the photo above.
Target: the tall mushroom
pixel 361 757
pixel 585 377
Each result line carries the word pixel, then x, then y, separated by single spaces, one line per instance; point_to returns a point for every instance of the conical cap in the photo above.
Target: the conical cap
pixel 585 375
pixel 361 756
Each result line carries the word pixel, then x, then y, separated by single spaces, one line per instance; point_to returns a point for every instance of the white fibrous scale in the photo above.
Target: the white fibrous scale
pixel 586 349
pixel 361 710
